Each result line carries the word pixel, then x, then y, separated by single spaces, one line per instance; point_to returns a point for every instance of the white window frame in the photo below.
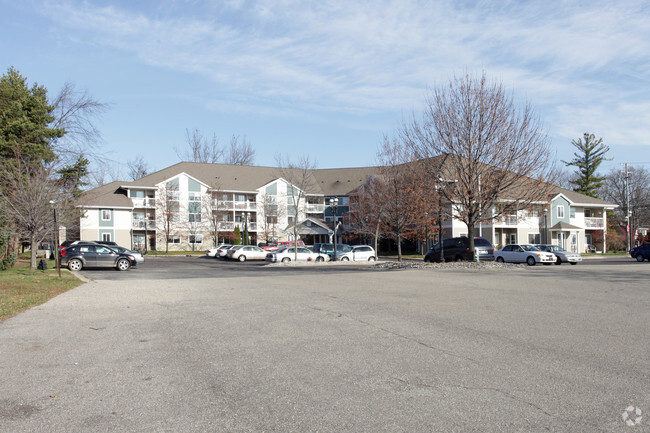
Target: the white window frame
pixel 195 239
pixel 560 211
pixel 106 237
pixel 108 212
pixel 174 239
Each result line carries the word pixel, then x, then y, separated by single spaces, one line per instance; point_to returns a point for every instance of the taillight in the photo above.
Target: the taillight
pixel 63 253
pixel 468 250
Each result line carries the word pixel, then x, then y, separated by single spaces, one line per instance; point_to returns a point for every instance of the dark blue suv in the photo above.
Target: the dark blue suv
pixel 641 253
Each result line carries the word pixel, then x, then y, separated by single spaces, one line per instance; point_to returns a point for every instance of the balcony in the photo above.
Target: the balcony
pixel 315 207
pixel 234 205
pixel 144 202
pixel 138 224
pixel 508 220
pixel 594 223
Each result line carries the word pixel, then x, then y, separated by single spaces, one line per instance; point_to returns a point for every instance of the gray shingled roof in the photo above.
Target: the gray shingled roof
pixel 578 198
pixel 248 177
pixel 109 195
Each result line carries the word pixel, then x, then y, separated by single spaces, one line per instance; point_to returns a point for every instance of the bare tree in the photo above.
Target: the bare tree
pixel 300 179
pixel 472 132
pixel 75 111
pixel 270 215
pixel 367 207
pixel 214 207
pixel 27 195
pixel 240 152
pixel 137 168
pixel 200 148
pixel 168 211
pixel 639 194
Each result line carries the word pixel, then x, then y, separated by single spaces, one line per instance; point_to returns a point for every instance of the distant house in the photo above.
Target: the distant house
pixel 183 205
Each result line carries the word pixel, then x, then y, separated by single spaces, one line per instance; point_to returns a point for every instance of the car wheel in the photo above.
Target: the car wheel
pixel 458 259
pixel 75 265
pixel 371 259
pixel 320 259
pixel 426 259
pixel 558 261
pixel 286 259
pixel 531 261
pixel 500 260
pixel 345 259
pixel 574 263
pixel 123 265
pixel 242 258
pixel 639 258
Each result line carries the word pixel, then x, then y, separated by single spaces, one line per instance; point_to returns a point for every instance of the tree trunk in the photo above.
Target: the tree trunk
pixel 32 261
pixel 399 247
pixel 377 240
pixel 470 236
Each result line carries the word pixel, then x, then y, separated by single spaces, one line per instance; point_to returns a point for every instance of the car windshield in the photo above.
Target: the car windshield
pixel 345 249
pixel 529 248
pixel 481 242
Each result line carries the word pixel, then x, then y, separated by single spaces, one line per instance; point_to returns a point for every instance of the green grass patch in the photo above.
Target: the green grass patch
pixel 21 289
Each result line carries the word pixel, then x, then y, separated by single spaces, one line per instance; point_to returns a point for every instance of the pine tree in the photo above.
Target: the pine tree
pixel 591 153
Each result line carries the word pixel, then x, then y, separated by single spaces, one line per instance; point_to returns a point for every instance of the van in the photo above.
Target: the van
pixel 457 249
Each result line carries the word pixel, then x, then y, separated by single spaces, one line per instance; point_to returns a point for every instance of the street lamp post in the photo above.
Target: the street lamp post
pixel 426 232
pixel 57 262
pixel 545 227
pixel 334 202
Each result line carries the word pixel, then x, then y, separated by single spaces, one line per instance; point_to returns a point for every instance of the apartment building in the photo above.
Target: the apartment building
pixel 184 206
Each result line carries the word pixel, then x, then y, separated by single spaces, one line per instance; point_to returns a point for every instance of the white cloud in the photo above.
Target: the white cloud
pixel 377 56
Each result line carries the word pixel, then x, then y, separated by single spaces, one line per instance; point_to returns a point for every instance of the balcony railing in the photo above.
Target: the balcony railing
pixel 144 202
pixel 229 226
pixel 311 207
pixel 509 220
pixel 139 224
pixel 234 205
pixel 594 223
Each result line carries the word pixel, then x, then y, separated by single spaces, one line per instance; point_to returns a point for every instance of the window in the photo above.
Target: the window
pixel 587 213
pixel 240 197
pixel 291 219
pixel 572 212
pixel 106 237
pixel 560 211
pixel 137 194
pixel 106 214
pixel 272 219
pixel 196 239
pixel 194 196
pixel 194 211
pixel 534 238
pixel 175 239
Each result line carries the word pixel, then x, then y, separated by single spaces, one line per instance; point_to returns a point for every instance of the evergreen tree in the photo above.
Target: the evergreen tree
pixel 25 116
pixel 237 238
pixel 590 154
pixel 71 176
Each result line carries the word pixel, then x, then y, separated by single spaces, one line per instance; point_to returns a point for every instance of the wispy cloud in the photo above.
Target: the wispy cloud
pixel 576 60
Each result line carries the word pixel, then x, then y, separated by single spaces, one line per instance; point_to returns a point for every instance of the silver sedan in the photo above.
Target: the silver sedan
pixel 561 255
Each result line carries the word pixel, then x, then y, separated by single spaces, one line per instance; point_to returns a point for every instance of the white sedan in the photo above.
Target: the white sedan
pixel 288 254
pixel 214 252
pixel 357 253
pixel 246 252
pixel 524 253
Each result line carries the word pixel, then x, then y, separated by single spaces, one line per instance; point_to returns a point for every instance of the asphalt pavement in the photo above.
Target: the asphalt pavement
pixel 195 345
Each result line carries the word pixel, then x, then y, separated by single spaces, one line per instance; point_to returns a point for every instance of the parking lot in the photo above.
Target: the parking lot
pixel 197 344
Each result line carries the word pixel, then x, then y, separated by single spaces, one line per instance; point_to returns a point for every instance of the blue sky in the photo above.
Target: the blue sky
pixel 329 79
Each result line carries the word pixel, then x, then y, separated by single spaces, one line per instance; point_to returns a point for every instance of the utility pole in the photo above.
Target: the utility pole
pixel 627 208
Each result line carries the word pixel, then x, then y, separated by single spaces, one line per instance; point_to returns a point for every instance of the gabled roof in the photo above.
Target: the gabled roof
pixel 334 181
pixel 109 195
pixel 577 198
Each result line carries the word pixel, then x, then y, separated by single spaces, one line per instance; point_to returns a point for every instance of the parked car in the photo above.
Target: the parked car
pixel 457 249
pixel 139 258
pixel 246 252
pixel 561 255
pixel 279 245
pixel 328 249
pixel 81 255
pixel 214 252
pixel 523 253
pixel 356 253
pixel 641 253
pixel 289 254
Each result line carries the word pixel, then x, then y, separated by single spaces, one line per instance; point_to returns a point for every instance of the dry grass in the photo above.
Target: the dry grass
pixel 21 289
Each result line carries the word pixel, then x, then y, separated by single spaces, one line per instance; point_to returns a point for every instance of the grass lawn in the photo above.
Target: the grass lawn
pixel 21 289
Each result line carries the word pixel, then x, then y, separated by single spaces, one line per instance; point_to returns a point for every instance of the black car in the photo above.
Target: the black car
pixel 457 249
pixel 81 255
pixel 641 253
